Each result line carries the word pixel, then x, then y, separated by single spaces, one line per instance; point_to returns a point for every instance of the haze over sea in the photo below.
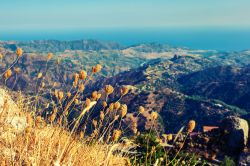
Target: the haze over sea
pixel 223 39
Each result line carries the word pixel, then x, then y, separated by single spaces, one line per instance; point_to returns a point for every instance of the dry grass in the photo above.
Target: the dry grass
pixel 45 147
pixel 45 144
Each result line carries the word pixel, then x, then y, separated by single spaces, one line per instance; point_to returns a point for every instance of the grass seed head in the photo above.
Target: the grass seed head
pixel 154 115
pixel 109 89
pixel 135 130
pixel 170 137
pixel 94 122
pixel 68 94
pixel 87 102
pixel 134 127
pixel 96 68
pixel 141 109
pixel 19 52
pixel 111 106
pixel 17 70
pixel 7 74
pixel 42 84
pixel 104 104
pixel 77 101
pixel 60 95
pixel 94 95
pixel 124 90
pixel 56 94
pixel 116 135
pixel 39 75
pixel 81 87
pixel 102 115
pixel 124 110
pixel 191 126
pixel 82 74
pixel 52 117
pixel 99 95
pixel 49 56
pixel 117 105
pixel 116 117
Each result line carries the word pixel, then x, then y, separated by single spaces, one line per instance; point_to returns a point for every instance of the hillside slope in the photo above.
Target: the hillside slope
pixel 226 83
pixel 155 86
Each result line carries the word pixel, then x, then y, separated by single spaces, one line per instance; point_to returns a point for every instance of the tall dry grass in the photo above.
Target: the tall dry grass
pixel 45 146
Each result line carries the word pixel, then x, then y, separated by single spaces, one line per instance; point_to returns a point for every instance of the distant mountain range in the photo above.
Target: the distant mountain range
pixel 60 46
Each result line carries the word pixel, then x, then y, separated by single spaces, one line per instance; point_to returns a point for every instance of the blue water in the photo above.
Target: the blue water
pixel 223 39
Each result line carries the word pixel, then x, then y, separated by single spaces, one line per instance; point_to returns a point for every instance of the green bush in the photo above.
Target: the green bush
pixel 228 162
pixel 148 149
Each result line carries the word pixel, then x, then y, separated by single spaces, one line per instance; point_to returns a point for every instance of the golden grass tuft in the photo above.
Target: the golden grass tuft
pixel 43 144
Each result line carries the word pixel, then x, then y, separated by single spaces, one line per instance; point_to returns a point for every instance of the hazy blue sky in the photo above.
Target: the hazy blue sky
pixel 68 14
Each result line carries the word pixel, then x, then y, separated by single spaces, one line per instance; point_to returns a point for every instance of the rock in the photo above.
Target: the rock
pixel 244 159
pixel 12 120
pixel 235 133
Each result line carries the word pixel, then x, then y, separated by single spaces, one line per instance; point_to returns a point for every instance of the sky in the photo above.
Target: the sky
pixel 91 14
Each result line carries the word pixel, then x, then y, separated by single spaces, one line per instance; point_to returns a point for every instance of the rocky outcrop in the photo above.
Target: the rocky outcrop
pixel 230 139
pixel 235 132
pixel 12 120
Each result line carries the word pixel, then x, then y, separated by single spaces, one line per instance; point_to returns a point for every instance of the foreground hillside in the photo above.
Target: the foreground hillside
pixel 26 139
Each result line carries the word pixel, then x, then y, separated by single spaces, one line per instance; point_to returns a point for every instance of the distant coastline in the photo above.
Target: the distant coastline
pixel 209 39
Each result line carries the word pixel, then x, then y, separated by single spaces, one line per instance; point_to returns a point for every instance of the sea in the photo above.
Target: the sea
pixel 221 39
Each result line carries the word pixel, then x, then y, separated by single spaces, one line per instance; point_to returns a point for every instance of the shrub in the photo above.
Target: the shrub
pixel 228 162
